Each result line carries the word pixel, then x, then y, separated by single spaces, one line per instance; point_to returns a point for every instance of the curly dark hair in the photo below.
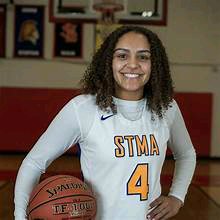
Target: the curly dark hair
pixel 98 78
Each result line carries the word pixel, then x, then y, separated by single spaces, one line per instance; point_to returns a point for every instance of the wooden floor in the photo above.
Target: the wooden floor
pixel 202 202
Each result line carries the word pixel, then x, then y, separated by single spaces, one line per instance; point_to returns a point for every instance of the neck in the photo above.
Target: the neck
pixel 130 96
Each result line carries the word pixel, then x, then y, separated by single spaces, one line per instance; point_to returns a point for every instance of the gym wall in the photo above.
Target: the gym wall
pixel 191 38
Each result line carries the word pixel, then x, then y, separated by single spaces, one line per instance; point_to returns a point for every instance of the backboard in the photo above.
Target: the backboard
pixel 148 12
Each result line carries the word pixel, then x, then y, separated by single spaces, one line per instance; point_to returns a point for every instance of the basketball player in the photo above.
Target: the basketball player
pixel 123 121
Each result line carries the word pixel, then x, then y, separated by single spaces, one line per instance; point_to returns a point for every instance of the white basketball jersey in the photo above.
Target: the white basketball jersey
pixel 121 154
pixel 122 157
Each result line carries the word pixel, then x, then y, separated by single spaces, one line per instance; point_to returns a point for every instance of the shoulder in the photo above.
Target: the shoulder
pixel 173 108
pixel 171 112
pixel 84 106
pixel 81 101
pixel 85 109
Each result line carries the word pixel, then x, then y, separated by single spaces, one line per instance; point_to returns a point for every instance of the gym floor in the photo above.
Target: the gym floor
pixel 202 201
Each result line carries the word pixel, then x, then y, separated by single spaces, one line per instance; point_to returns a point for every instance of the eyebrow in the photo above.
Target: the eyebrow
pixel 139 51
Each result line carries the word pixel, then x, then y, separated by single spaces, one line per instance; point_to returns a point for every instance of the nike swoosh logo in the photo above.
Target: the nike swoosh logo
pixel 105 117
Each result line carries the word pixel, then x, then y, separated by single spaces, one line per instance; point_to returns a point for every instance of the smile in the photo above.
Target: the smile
pixel 131 75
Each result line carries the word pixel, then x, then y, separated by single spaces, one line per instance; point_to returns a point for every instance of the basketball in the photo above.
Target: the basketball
pixel 62 197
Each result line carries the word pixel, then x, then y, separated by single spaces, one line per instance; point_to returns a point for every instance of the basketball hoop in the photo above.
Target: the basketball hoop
pixel 108 9
pixel 107 19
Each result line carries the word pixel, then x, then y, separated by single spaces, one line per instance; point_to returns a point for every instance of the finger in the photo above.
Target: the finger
pixel 163 205
pixel 162 208
pixel 167 216
pixel 156 210
pixel 156 202
pixel 160 215
pixel 170 214
pixel 164 214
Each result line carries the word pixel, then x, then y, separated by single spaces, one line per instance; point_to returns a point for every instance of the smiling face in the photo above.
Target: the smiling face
pixel 131 66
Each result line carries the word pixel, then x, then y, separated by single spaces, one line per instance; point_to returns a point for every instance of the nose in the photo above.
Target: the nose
pixel 133 63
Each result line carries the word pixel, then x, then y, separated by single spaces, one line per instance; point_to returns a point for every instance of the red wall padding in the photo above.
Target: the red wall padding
pixel 197 112
pixel 26 112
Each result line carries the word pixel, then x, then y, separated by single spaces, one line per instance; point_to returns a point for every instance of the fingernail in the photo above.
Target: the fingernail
pixel 148 217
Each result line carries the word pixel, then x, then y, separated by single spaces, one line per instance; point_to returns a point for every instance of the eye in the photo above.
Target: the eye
pixel 122 56
pixel 143 57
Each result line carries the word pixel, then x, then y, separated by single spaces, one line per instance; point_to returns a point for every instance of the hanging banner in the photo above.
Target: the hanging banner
pixel 68 40
pixel 29 31
pixel 2 30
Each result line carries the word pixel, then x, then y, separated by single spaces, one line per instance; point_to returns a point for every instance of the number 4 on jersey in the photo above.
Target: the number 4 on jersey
pixel 138 182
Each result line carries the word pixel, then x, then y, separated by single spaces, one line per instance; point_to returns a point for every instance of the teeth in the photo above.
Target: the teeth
pixel 131 75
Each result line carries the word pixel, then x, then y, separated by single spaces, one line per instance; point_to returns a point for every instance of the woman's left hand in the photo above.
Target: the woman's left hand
pixel 164 207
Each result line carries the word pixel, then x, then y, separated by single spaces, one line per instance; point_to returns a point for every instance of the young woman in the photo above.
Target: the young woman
pixel 123 121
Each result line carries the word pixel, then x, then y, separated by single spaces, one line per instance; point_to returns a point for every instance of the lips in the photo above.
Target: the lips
pixel 132 75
